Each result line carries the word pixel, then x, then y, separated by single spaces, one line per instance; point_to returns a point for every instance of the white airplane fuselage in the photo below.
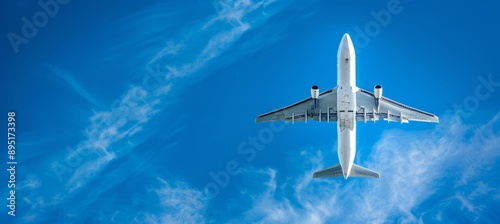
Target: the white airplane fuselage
pixel 346 104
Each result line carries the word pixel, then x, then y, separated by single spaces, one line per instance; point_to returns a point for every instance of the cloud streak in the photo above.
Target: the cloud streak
pixel 73 84
pixel 178 204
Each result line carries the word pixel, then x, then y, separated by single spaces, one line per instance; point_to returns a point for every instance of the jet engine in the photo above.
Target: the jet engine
pixel 314 92
pixel 378 91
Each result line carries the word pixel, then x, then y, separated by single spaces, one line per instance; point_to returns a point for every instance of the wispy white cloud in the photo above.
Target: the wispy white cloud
pixel 178 203
pixel 31 182
pixel 448 165
pixel 233 18
pixel 270 206
pixel 170 49
pixel 133 110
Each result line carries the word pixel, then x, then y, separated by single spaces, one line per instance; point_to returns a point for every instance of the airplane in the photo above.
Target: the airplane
pixel 346 104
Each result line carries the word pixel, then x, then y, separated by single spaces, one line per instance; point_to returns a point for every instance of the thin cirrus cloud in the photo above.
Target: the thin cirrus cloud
pixel 442 175
pixel 179 204
pixel 129 113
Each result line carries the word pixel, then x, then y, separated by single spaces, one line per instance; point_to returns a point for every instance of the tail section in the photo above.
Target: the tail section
pixel 336 171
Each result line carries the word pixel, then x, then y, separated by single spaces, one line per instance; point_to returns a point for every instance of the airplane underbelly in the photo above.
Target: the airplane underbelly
pixel 346 126
pixel 346 107
pixel 347 147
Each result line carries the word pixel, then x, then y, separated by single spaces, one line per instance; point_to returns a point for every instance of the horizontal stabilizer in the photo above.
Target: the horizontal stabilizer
pixel 333 171
pixel 359 171
pixel 336 171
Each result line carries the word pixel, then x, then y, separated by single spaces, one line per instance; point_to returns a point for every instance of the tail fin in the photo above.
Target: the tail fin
pixel 336 171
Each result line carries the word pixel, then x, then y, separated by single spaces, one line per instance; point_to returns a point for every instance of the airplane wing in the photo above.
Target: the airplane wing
pixel 325 109
pixel 388 110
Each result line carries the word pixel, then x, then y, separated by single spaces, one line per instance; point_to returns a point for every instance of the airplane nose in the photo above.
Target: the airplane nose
pixel 346 38
pixel 346 48
pixel 346 35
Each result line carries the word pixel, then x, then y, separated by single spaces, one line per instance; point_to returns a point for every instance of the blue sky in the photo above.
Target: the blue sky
pixel 125 112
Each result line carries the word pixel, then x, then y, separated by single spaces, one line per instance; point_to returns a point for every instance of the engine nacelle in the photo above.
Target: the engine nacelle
pixel 315 92
pixel 377 91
